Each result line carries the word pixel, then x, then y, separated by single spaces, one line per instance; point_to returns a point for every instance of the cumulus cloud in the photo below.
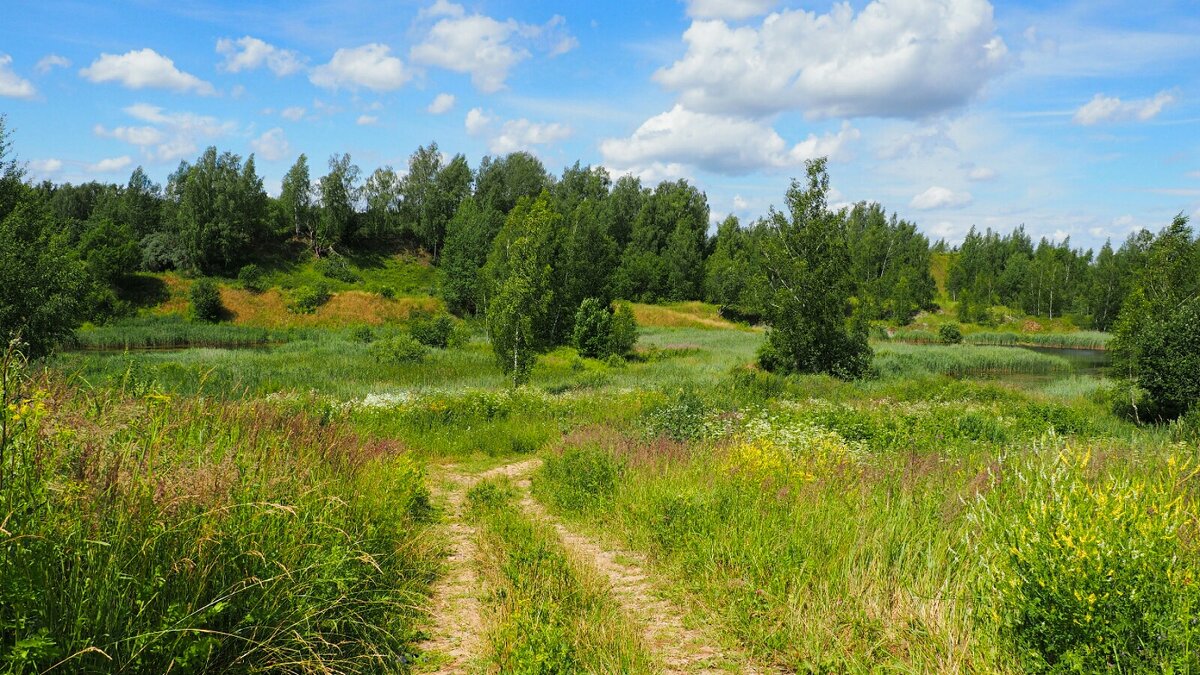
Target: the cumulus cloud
pixel 294 113
pixel 50 62
pixel 140 136
pixel 367 120
pixel 249 53
pixel 142 69
pixel 895 58
pixel 272 145
pixel 729 9
pixel 45 167
pixel 483 47
pixel 508 136
pixel 1103 109
pixel 938 197
pixel 111 165
pixel 370 66
pixel 167 136
pixel 11 84
pixel 442 103
pixel 718 143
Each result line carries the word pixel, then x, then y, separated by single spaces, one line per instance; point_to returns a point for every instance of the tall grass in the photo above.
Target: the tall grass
pixel 1076 340
pixel 173 332
pixel 900 360
pixel 552 615
pixel 147 533
pixel 822 553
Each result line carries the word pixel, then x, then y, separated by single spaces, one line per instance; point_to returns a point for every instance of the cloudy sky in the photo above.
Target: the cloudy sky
pixel 1078 119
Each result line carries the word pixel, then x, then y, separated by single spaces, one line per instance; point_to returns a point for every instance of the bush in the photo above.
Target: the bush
pixel 681 417
pixel 306 299
pixel 337 269
pixel 364 334
pixel 206 301
pixel 950 334
pixel 592 335
pixel 387 292
pixel 624 331
pixel 432 331
pixel 1088 573
pixel 251 278
pixel 399 349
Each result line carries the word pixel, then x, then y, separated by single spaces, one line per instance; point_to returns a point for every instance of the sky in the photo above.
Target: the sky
pixel 1077 119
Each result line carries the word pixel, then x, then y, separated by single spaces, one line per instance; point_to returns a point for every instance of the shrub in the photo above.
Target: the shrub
pixel 387 292
pixel 251 278
pixel 337 269
pixel 306 299
pixel 950 334
pixel 399 349
pixel 681 417
pixel 432 330
pixel 363 333
pixel 592 335
pixel 206 301
pixel 624 331
pixel 1085 574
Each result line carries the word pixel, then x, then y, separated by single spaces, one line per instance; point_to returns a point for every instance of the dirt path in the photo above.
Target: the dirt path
pixel 680 649
pixel 458 627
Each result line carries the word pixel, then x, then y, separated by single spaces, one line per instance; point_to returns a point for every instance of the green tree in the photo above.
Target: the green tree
pixel 220 211
pixel 42 284
pixel 519 277
pixel 624 333
pixel 592 334
pixel 808 267
pixel 468 241
pixel 339 193
pixel 296 201
pixel 382 221
pixel 206 301
pixel 502 181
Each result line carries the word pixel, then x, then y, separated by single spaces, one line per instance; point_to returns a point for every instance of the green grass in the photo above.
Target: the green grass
pixel 550 614
pixel 173 332
pixel 149 533
pixel 405 274
pixel 1076 340
pixel 901 360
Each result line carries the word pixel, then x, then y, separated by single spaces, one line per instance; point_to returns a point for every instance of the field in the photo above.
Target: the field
pixel 237 497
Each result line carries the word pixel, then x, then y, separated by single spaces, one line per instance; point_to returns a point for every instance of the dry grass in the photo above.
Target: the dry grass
pixel 270 309
pixel 681 315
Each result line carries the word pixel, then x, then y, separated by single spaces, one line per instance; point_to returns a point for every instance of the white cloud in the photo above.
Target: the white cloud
pixel 513 135
pixel 483 47
pixel 367 120
pixel 895 58
pixel 50 62
pixel 921 142
pixel 11 84
pixel 140 136
pixel 370 66
pixel 111 165
pixel 45 167
pixel 729 9
pixel 167 136
pixel 249 53
pixel 294 113
pixel 272 145
pixel 938 197
pixel 981 173
pixel 145 68
pixel 718 143
pixel 740 203
pixel 1112 109
pixel 442 103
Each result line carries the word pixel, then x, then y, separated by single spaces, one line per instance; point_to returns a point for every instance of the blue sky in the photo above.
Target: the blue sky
pixel 1077 119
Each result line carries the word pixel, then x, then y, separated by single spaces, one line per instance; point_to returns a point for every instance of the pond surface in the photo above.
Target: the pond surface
pixel 1085 361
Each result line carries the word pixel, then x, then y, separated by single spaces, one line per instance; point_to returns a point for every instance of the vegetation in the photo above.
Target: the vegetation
pixel 206 301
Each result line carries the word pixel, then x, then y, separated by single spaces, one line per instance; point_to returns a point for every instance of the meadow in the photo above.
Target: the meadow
pixel 242 498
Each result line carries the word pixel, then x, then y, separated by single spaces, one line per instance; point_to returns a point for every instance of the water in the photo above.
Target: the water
pixel 1084 361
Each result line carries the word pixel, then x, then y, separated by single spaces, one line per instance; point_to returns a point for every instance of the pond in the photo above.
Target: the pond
pixel 1085 361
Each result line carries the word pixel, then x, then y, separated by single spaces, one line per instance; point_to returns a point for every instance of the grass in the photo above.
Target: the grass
pixel 821 541
pixel 172 332
pixel 550 614
pixel 901 360
pixel 681 315
pixel 149 533
pixel 1075 340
